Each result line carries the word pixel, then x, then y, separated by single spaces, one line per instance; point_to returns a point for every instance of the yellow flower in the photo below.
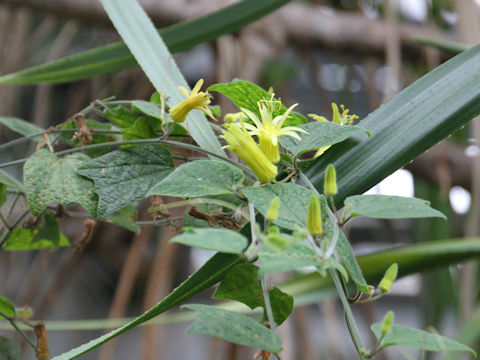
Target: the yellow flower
pixel 242 144
pixel 268 130
pixel 194 100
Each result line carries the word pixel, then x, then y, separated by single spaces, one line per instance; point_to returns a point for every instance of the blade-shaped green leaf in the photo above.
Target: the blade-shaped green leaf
pixel 10 181
pixel 21 126
pixel 418 339
pixel 50 179
pixel 320 134
pixel 450 47
pixel 222 240
pixel 233 327
pixel 123 177
pixel 116 57
pixel 410 123
pixel 390 207
pixel 151 53
pixel 209 274
pixel 200 178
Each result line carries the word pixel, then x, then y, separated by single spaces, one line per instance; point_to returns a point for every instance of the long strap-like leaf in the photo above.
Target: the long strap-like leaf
pixel 116 57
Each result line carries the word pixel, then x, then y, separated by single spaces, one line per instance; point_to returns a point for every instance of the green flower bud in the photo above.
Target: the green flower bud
pixel 387 323
pixel 314 216
pixel 330 183
pixel 272 213
pixel 388 279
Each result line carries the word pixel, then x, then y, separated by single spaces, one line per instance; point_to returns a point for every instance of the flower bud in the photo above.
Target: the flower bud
pixel 387 323
pixel 314 216
pixel 330 182
pixel 388 279
pixel 272 213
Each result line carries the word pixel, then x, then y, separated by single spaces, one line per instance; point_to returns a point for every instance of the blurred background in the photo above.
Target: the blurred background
pixel 353 52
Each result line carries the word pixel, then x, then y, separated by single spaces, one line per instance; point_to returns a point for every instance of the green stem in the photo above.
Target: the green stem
pixel 268 305
pixel 22 334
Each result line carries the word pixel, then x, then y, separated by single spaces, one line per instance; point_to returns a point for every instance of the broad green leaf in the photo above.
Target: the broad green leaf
pixel 151 53
pixel 242 284
pixel 414 120
pixel 49 179
pixel 6 307
pixel 320 134
pixel 293 202
pixel 178 37
pixel 21 126
pixel 3 193
pixel 209 274
pixel 10 181
pixel 119 115
pixel 49 230
pixel 245 94
pixel 26 239
pixel 294 257
pixel 390 207
pixel 123 177
pixel 221 240
pixel 9 349
pixel 233 327
pixel 450 47
pixel 141 129
pixel 418 339
pixel 147 108
pixel 200 178
pixel 350 261
pixel 125 218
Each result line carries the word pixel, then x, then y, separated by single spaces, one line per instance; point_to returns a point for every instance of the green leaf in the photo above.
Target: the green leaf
pixel 151 53
pixel 9 349
pixel 320 134
pixel 125 218
pixel 7 308
pixel 10 181
pixel 294 201
pixel 3 193
pixel 414 120
pixel 350 261
pixel 123 177
pixel 233 327
pixel 242 284
pixel 245 94
pixel 418 339
pixel 141 129
pixel 49 179
pixel 294 257
pixel 147 108
pixel 390 207
pixel 119 115
pixel 21 126
pixel 222 240
pixel 178 37
pixel 450 47
pixel 49 230
pixel 200 178
pixel 209 274
pixel 26 239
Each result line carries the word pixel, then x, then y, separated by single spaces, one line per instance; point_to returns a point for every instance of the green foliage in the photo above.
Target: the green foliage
pixel 123 177
pixel 9 349
pixel 233 327
pixel 320 134
pixel 50 179
pixel 119 115
pixel 221 240
pixel 27 239
pixel 350 262
pixel 49 230
pixel 200 178
pixel 417 339
pixel 21 126
pixel 242 284
pixel 390 207
pixel 10 181
pixel 125 217
pixel 3 193
pixel 7 308
pixel 244 94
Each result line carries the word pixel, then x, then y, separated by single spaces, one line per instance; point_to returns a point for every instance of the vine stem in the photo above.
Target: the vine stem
pixel 351 323
pixel 22 334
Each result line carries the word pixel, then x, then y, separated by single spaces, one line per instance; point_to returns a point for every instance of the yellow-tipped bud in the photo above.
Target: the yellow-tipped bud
pixel 337 119
pixel 314 216
pixel 233 117
pixel 387 323
pixel 195 100
pixel 390 275
pixel 272 213
pixel 330 183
